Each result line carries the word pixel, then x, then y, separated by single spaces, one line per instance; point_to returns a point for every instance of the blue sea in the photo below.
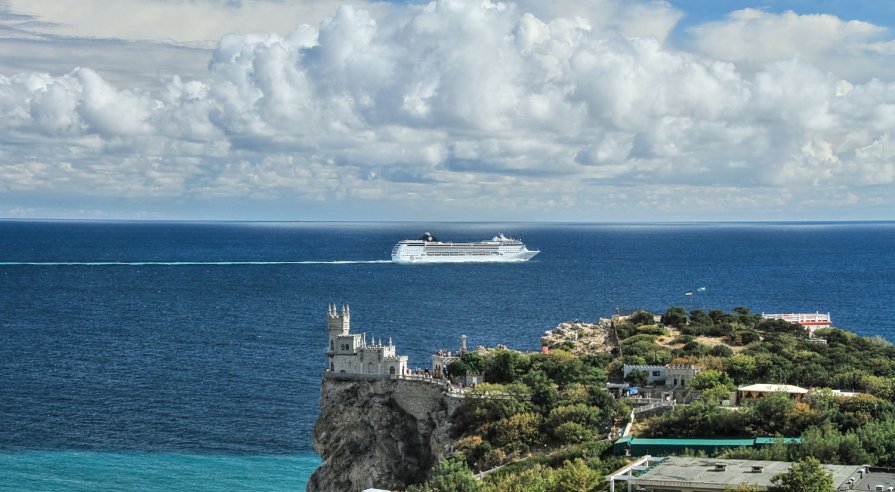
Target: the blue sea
pixel 187 356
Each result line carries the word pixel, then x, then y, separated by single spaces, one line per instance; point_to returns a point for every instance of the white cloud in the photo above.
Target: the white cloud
pixel 753 38
pixel 179 21
pixel 530 111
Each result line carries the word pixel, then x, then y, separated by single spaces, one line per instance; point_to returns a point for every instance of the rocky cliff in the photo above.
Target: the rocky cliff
pixel 380 433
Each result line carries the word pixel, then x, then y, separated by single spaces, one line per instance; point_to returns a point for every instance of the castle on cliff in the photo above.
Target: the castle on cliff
pixel 349 352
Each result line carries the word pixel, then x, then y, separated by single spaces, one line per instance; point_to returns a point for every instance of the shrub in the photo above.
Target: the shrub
pixel 721 351
pixel 520 428
pixel 675 316
pixel 572 433
pixel 642 318
pixel 652 330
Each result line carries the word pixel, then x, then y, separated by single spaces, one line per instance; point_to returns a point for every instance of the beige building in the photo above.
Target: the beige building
pixel 669 375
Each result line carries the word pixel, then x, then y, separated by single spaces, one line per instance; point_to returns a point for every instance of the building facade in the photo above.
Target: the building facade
pixel 811 321
pixel 669 375
pixel 350 353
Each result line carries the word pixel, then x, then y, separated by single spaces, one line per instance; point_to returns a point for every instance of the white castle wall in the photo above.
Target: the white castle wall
pixel 349 353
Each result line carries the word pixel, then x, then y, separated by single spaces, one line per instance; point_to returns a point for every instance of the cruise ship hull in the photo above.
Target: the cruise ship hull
pixel 429 250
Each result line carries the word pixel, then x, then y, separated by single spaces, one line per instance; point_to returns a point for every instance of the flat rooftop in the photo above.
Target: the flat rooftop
pixel 874 478
pixel 703 474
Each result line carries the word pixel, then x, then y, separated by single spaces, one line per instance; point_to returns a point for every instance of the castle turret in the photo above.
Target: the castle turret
pixel 338 324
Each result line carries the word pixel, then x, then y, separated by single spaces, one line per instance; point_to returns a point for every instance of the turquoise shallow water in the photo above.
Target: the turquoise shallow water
pixel 73 471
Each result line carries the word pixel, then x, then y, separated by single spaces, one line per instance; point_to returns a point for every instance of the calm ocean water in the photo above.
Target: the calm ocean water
pixel 187 356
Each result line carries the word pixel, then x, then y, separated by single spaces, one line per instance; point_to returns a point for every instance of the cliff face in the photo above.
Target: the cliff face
pixel 379 433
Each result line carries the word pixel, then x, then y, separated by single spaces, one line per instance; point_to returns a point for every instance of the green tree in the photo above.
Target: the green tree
pixel 457 368
pixel 675 316
pixel 637 378
pixel 642 318
pixel 741 367
pixel 543 392
pixel 772 414
pixel 576 476
pixel 450 475
pixel 805 476
pixel 710 378
pixel 504 366
pixel 474 361
pixel 699 317
pixel 572 433
pixel 538 478
pixel 522 428
pixel 583 414
pixel 741 310
pixel 488 403
pixel 468 362
pixel 716 394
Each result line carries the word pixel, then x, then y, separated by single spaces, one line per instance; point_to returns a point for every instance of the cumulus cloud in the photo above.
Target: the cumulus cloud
pixel 526 109
pixel 753 38
pixel 179 21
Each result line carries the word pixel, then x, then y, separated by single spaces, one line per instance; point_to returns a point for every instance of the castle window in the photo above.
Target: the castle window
pixel 332 345
pixel 332 366
pixel 391 370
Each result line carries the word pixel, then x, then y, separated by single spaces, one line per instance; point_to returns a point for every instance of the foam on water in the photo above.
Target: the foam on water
pixel 187 263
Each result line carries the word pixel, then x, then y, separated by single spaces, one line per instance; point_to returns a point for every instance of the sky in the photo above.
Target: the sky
pixel 449 110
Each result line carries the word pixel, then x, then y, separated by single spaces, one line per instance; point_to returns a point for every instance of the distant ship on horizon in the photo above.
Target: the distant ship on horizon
pixel 428 249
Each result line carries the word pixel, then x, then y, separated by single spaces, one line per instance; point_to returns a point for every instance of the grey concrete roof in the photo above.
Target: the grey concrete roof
pixel 873 479
pixel 702 473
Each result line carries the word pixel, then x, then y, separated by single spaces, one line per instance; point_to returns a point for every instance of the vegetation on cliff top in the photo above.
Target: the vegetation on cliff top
pixel 545 415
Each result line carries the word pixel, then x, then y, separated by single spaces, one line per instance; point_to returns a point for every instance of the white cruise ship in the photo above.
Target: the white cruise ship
pixel 428 249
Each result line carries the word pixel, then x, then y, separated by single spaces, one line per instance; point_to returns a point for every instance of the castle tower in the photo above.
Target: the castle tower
pixel 337 324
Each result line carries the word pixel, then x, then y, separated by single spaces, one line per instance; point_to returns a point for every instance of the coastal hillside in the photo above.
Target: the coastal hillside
pixel 545 420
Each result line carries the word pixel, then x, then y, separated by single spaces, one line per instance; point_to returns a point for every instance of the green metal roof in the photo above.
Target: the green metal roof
pixel 691 442
pixel 772 440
